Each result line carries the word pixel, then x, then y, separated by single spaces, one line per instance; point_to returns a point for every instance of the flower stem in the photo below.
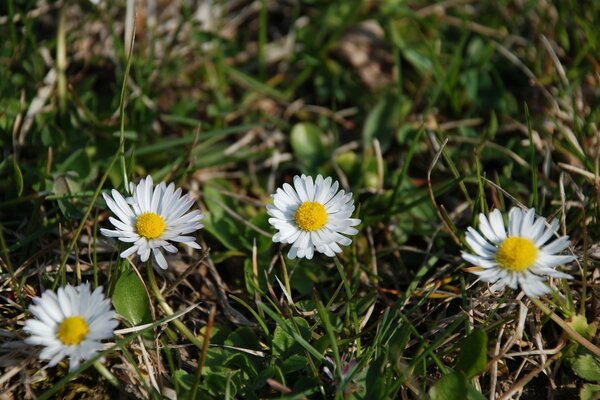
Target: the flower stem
pixel 167 309
pixel 566 327
pixel 102 370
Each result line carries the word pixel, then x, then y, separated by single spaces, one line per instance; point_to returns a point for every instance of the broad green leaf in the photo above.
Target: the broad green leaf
pixel 131 300
pixel 243 337
pixel 473 394
pixel 306 140
pixel 587 367
pixel 397 344
pixel 301 337
pixel 294 363
pixel 589 392
pixel 472 358
pixel 284 345
pixel 375 382
pixel 218 382
pixel 452 386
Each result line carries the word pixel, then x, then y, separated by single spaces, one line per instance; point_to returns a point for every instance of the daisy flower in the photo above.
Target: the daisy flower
pixel 312 216
pixel 522 257
pixel 151 219
pixel 70 323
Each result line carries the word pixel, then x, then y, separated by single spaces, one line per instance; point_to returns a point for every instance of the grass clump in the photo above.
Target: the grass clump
pixel 432 115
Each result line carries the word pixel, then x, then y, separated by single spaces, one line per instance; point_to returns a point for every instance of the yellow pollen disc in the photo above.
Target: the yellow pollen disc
pixel 310 216
pixel 150 225
pixel 72 330
pixel 516 254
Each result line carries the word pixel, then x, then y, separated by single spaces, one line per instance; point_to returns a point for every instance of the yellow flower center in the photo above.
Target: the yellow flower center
pixel 310 216
pixel 72 330
pixel 150 225
pixel 516 254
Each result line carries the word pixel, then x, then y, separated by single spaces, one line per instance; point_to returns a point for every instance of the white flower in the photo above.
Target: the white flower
pixel 70 324
pixel 151 219
pixel 521 257
pixel 312 216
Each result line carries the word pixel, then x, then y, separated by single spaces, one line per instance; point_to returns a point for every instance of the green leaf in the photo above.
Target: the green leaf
pixel 307 144
pixel 472 359
pixel 450 387
pixel 375 382
pixel 294 363
pixel 589 392
pixel 587 367
pixel 18 177
pixel 349 162
pixel 78 161
pixel 382 122
pixel 301 337
pixel 580 324
pixel 67 184
pixel 284 344
pixel 473 394
pixel 131 300
pixel 183 379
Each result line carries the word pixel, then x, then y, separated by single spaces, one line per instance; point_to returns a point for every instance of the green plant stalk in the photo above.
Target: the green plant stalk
pixel 94 251
pixel 353 313
pixel 61 59
pixel 411 152
pixel 6 257
pixel 122 109
pixel 102 370
pixel 480 188
pixel 198 375
pixel 534 178
pixel 167 309
pixel 565 327
pixel 71 245
pixel 584 261
pixel 330 335
pixel 258 318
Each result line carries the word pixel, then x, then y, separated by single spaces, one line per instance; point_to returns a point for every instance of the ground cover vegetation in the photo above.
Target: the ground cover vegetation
pixel 299 199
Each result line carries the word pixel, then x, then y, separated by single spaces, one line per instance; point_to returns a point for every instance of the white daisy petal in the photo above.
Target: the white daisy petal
pixel 527 223
pixel 557 245
pixel 300 188
pixel 550 272
pixel 117 209
pixel 498 286
pixel 486 229
pixel 479 261
pixel 544 237
pixel 515 215
pixel 160 215
pixel 551 261
pixel 75 335
pixel 312 216
pixel 497 224
pixel 538 228
pixel 160 258
pixel 126 253
pixel 519 258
